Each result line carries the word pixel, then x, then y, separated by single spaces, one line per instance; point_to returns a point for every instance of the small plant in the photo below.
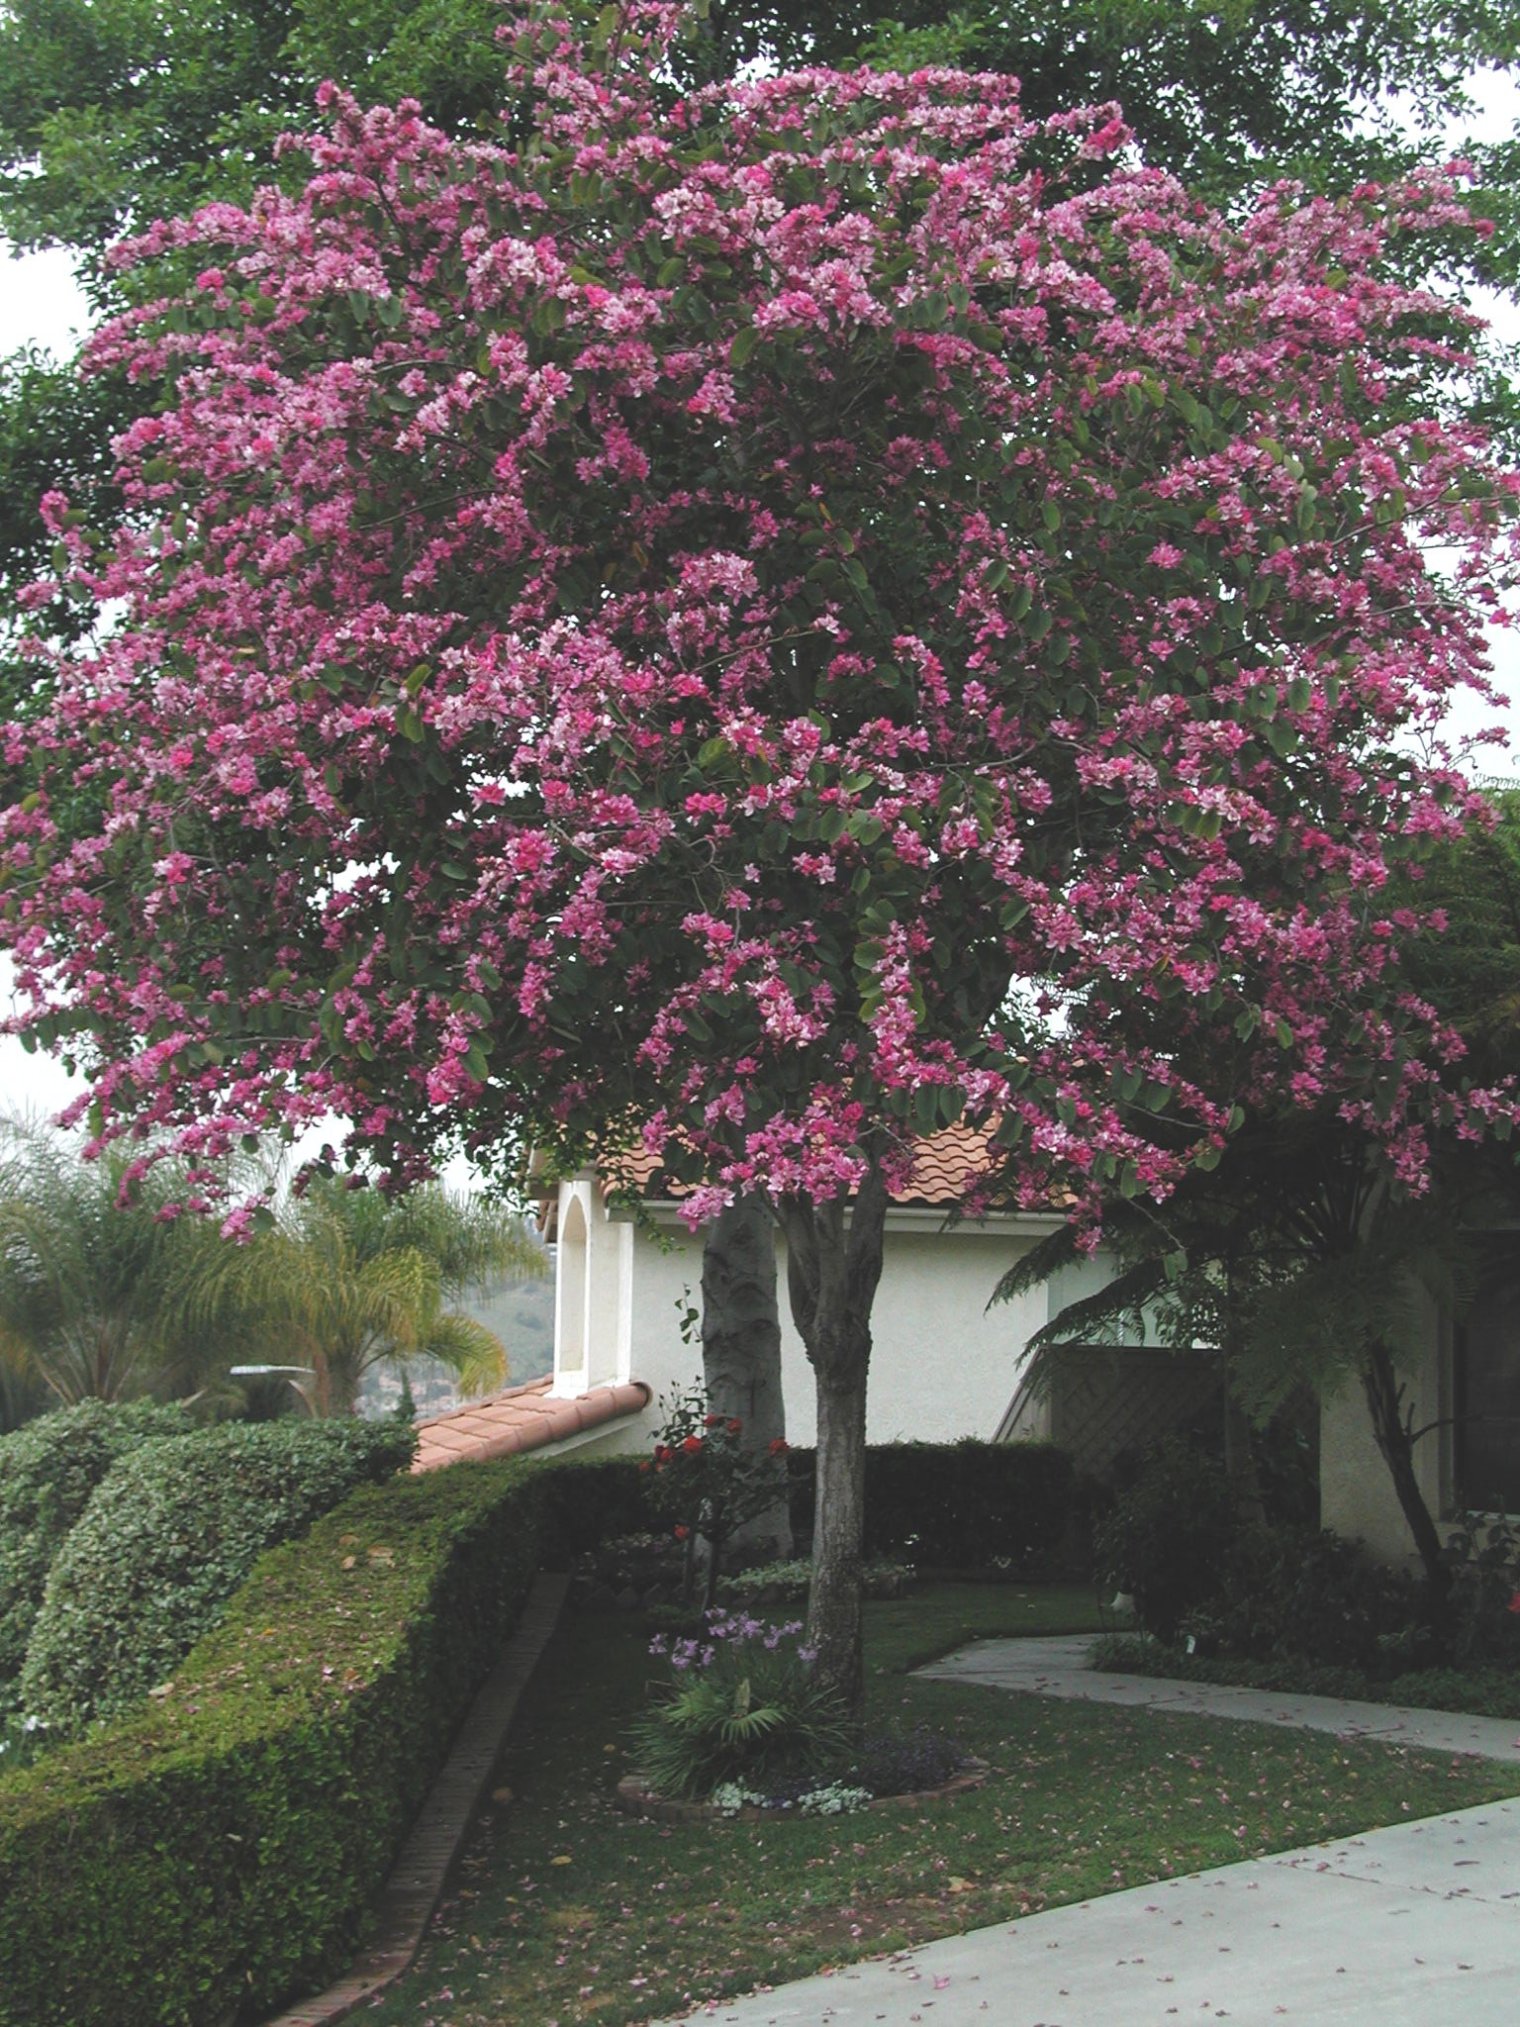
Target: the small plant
pixel 779 1582
pixel 22 1740
pixel 837 1798
pixel 708 1482
pixel 906 1763
pixel 1483 1608
pixel 1167 1538
pixel 744 1707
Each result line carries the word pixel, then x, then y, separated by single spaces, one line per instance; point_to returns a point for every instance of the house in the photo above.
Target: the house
pixel 1462 1390
pixel 946 1362
pixel 946 1365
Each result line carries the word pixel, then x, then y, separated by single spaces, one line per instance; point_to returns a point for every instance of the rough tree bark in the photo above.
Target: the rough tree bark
pixel 834 1254
pixel 741 1353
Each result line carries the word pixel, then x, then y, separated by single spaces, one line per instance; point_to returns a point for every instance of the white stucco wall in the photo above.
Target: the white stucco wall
pixel 943 1366
pixel 1357 1498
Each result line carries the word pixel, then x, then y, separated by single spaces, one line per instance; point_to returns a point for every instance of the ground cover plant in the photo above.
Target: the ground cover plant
pixel 567 1912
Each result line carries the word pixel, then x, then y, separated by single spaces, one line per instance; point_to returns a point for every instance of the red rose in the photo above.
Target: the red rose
pixel 776 1447
pixel 735 1426
pixel 681 1533
pixel 711 1421
pixel 647 1464
pixel 1514 1603
pixel 692 1443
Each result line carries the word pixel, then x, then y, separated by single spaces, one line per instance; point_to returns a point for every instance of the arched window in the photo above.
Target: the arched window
pixel 571 1307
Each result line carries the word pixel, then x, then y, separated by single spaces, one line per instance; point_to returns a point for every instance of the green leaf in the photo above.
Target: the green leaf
pixel 743 345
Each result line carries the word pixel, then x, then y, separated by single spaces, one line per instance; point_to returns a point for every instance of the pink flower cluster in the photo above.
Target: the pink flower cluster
pixel 781 621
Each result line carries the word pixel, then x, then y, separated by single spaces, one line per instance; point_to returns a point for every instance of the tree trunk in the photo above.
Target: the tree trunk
pixel 834 1254
pixel 741 1355
pixel 1385 1402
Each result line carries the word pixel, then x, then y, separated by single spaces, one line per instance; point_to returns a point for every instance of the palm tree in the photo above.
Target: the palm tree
pixel 347 1278
pixel 93 1271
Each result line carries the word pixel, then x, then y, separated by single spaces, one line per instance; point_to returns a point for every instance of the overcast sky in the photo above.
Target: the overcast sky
pixel 40 304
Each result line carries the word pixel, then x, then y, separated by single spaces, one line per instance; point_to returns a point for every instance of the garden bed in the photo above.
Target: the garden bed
pixel 635 1799
pixel 568 1909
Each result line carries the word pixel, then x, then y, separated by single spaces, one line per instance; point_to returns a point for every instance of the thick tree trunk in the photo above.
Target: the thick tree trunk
pixel 1385 1404
pixel 741 1355
pixel 834 1255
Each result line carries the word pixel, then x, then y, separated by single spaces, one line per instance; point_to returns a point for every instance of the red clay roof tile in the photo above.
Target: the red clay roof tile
pixel 521 1418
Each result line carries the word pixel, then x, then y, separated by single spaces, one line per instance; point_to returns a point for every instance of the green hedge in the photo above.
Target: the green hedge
pixel 950 1505
pixel 955 1505
pixel 210 1856
pixel 48 1471
pixel 169 1535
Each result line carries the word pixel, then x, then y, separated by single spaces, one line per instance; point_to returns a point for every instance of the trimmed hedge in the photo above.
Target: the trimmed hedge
pixel 213 1854
pixel 947 1505
pixel 48 1471
pixel 955 1505
pixel 165 1542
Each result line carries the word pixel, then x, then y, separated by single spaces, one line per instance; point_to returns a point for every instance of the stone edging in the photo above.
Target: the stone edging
pixel 634 1799
pixel 411 1893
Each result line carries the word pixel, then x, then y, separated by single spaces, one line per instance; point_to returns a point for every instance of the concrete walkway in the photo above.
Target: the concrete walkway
pixel 1058 1668
pixel 1413 1926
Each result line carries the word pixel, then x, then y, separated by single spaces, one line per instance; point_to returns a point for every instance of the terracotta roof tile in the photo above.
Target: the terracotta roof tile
pixel 521 1418
pixel 943 1164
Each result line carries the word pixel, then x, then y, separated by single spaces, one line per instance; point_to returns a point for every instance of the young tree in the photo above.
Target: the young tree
pixel 119 112
pixel 93 1290
pixel 760 621
pixel 346 1279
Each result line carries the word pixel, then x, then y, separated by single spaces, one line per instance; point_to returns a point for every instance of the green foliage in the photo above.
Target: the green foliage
pixel 965 1505
pixel 956 1505
pixel 1168 1536
pixel 48 1472
pixel 745 1706
pixel 591 1500
pixel 1483 1608
pixel 349 1278
pixel 1311 1595
pixel 214 1852
pixel 789 1581
pixel 707 1482
pixel 1492 1691
pixel 95 1269
pixel 166 1541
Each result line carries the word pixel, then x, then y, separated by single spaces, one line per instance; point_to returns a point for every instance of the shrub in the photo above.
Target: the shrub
pixel 788 1582
pixel 212 1853
pixel 1168 1536
pixel 1310 1594
pixel 588 1500
pixel 708 1483
pixel 905 1763
pixel 48 1471
pixel 968 1505
pixel 165 1542
pixel 955 1505
pixel 745 1707
pixel 1483 1610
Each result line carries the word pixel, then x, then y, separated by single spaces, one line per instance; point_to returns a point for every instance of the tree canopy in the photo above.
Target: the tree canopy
pixel 792 616
pixel 114 112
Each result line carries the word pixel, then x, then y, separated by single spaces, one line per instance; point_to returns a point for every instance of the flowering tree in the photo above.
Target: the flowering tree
pixel 765 622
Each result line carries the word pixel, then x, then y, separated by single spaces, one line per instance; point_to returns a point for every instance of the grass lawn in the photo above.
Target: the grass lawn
pixel 566 1911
